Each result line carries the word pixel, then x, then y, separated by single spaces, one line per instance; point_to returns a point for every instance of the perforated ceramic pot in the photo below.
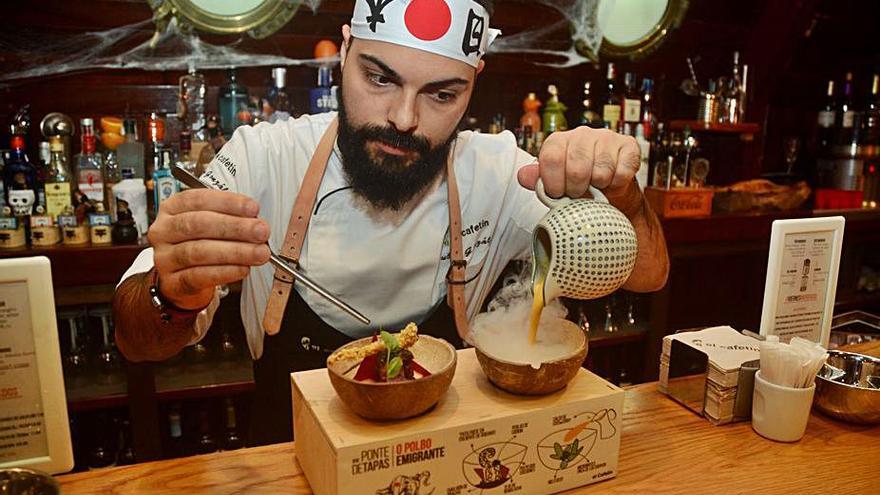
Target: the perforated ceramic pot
pixel 586 247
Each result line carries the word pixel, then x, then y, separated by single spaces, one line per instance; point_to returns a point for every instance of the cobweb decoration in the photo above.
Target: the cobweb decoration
pixel 579 16
pixel 172 49
pixel 131 47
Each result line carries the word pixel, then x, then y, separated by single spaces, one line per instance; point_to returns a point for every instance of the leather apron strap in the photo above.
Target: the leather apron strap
pixel 297 227
pixel 299 224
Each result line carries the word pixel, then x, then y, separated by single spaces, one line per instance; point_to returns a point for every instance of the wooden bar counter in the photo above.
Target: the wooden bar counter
pixel 664 449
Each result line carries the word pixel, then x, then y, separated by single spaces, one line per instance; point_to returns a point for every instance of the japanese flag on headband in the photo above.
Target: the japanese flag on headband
pixel 458 29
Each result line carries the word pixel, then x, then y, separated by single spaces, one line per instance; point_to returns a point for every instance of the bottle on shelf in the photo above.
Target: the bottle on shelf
pixel 43 172
pixel 847 112
pixel 644 153
pixel 58 191
pixel 206 443
pixel 164 184
pixel 191 103
pixel 20 179
pixel 184 159
pixel 632 103
pixel 131 152
pixel 648 119
pixel 611 109
pixel 590 117
pixel 826 120
pixel 322 99
pixel 103 452
pixel 278 99
pixel 733 95
pixel 231 438
pixel 127 454
pixel 233 104
pixel 176 444
pixel 530 117
pixel 89 164
pixel 131 202
pixel 554 113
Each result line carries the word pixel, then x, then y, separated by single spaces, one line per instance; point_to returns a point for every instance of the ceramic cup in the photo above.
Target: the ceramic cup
pixel 780 413
pixel 586 248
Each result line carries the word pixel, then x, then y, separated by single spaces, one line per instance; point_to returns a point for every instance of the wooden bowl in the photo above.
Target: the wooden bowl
pixel 524 379
pixel 397 400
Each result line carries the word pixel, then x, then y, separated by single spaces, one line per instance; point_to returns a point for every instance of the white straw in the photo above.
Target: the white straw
pixel 791 365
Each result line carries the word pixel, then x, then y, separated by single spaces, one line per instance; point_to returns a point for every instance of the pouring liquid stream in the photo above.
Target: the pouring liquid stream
pixel 537 306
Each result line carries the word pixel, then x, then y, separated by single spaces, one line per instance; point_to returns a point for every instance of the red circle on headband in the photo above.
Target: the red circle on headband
pixel 428 20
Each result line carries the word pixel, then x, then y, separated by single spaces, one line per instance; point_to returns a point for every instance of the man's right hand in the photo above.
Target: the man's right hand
pixel 204 238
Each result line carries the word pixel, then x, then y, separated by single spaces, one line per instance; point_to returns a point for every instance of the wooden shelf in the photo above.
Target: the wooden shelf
pixel 77 266
pixel 91 391
pixel 209 379
pixel 700 126
pixel 602 339
pixel 859 300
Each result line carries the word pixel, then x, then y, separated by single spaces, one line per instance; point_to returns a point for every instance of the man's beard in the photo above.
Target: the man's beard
pixel 388 181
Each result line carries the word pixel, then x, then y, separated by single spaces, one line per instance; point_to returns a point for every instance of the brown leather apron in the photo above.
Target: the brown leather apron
pixel 298 339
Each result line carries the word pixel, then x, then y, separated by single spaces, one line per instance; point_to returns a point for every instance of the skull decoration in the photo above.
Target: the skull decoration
pixel 22 202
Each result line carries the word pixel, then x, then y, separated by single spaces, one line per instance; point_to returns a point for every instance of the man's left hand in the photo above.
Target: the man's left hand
pixel 571 161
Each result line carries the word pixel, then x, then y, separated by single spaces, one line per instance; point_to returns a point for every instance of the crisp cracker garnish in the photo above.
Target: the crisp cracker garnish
pixel 406 338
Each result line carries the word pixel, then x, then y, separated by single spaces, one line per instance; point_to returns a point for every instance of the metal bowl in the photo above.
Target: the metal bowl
pixel 397 399
pixel 20 481
pixel 848 387
pixel 525 379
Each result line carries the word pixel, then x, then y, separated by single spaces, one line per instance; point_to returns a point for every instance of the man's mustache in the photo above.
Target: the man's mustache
pixel 400 140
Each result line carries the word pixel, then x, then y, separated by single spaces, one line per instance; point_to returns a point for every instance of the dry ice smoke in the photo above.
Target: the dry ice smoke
pixel 511 306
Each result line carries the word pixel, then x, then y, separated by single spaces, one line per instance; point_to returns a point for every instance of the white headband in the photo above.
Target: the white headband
pixel 458 29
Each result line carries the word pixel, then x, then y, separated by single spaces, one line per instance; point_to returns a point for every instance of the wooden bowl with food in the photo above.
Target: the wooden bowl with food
pixel 389 376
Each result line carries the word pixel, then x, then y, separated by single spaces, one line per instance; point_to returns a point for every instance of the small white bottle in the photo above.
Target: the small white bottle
pixel 133 191
pixel 645 152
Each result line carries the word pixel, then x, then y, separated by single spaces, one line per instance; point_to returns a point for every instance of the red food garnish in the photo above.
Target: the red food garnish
pixel 419 369
pixel 367 368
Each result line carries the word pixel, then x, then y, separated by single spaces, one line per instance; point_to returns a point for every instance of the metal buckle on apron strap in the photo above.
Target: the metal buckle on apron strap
pixel 456 264
pixel 289 261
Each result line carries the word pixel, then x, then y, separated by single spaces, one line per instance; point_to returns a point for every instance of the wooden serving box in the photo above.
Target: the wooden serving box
pixel 478 439
pixel 680 202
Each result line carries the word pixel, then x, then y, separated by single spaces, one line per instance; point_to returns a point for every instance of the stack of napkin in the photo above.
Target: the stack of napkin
pixel 727 350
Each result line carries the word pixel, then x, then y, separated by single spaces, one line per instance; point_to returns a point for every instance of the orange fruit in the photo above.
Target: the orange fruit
pixel 111 139
pixel 111 124
pixel 325 49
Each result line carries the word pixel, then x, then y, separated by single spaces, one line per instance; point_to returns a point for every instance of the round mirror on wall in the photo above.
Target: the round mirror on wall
pixel 634 28
pixel 258 18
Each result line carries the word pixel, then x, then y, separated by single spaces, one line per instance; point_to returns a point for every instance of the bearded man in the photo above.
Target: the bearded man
pixel 385 204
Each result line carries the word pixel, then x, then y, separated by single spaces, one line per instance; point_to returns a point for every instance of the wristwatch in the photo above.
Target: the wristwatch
pixel 167 311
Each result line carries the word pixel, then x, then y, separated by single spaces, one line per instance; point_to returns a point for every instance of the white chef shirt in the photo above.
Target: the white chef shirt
pixel 391 267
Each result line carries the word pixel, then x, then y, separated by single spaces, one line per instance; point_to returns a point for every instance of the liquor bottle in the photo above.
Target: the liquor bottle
pixel 645 153
pixel 131 201
pixel 58 198
pixel 279 100
pixel 176 445
pixel 632 102
pixel 530 117
pixel 127 454
pixel 733 95
pixel 20 179
pixel 103 453
pixel 554 113
pixel 184 159
pixel 43 172
pixel 89 164
pixel 131 152
pixel 112 176
pixel 590 117
pixel 164 184
pixel 231 438
pixel 191 103
pixel 322 98
pixel 872 114
pixel 847 110
pixel 233 104
pixel 826 120
pixel 648 118
pixel 206 442
pixel 611 109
